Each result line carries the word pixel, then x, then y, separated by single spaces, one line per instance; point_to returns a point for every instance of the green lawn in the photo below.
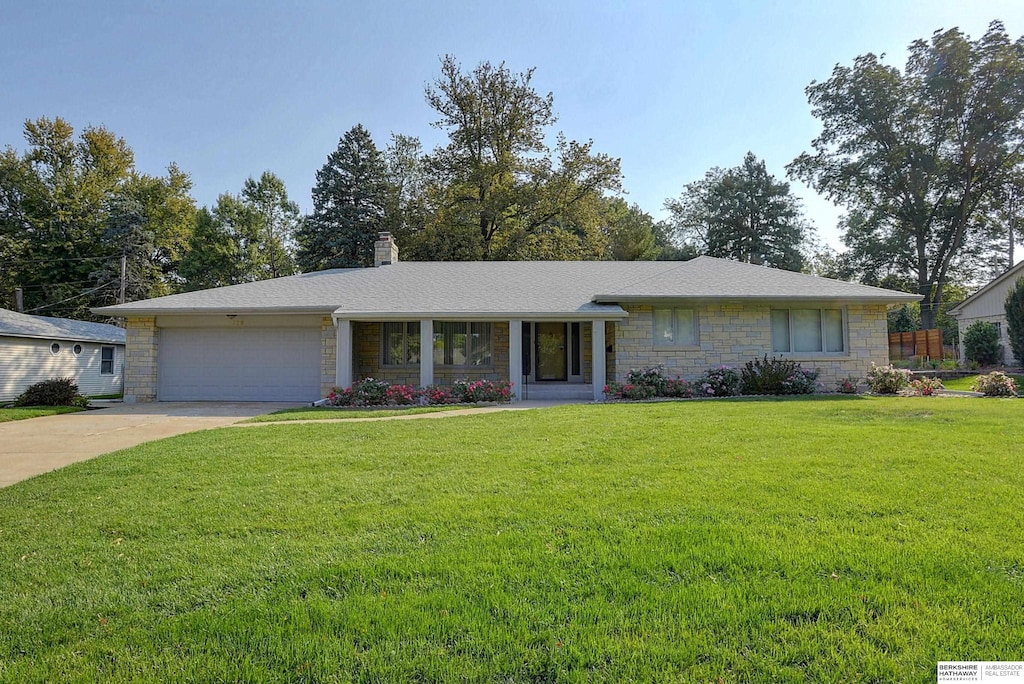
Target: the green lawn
pixel 23 412
pixel 826 540
pixel 328 413
pixel 966 382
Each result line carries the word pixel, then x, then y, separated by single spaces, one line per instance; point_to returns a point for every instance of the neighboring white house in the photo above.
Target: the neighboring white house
pixel 989 304
pixel 555 329
pixel 35 348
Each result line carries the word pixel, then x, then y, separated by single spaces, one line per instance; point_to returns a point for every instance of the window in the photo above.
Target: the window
pixel 401 342
pixel 106 360
pixel 458 343
pixel 55 348
pixel 675 328
pixel 804 331
pixel 77 350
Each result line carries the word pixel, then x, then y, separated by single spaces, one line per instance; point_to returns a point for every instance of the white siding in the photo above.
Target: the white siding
pixel 25 361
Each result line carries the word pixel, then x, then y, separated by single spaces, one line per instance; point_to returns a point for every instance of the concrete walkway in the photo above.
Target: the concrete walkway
pixel 369 417
pixel 38 445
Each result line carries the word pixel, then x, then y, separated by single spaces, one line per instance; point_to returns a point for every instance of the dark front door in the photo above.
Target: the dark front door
pixel 551 356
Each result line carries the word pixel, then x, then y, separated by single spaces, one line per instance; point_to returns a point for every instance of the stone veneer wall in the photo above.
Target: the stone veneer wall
pixel 328 355
pixel 140 360
pixel 368 353
pixel 732 334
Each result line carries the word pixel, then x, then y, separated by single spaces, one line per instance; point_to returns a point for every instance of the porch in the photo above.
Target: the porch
pixel 545 359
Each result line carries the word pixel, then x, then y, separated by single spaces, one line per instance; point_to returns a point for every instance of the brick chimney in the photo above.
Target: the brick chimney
pixel 385 251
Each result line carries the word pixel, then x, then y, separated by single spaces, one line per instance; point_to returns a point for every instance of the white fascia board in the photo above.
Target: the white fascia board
pixel 756 299
pixel 606 315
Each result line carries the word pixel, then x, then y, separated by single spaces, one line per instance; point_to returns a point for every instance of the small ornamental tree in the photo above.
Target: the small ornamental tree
pixel 1015 319
pixel 981 343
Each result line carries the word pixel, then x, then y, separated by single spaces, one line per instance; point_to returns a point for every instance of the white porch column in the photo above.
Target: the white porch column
pixel 343 349
pixel 426 352
pixel 515 358
pixel 598 359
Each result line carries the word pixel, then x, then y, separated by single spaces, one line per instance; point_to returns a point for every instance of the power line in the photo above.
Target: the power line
pixel 78 296
pixel 57 260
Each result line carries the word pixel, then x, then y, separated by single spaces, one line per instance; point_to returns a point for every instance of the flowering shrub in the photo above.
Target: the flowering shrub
pixel 995 384
pixel 400 395
pixel 719 382
pixel 435 394
pixel 488 390
pixel 923 387
pixel 652 377
pixel 887 379
pixel 628 390
pixel 847 386
pixel 777 376
pixel 676 387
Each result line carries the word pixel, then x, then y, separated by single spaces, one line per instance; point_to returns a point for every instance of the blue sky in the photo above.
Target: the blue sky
pixel 230 89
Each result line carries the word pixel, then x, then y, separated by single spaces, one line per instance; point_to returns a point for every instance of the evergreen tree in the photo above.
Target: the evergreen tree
pixel 1015 319
pixel 270 222
pixel 350 202
pixel 742 213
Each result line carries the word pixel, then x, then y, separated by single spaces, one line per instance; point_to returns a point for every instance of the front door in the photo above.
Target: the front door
pixel 551 356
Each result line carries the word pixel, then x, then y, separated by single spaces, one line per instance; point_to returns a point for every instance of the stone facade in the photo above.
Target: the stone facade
pixel 367 343
pixel 140 360
pixel 328 355
pixel 732 334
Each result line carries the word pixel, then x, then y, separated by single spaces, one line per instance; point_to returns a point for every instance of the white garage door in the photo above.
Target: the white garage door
pixel 235 364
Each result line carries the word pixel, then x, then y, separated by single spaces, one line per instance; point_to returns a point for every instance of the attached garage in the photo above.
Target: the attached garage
pixel 238 364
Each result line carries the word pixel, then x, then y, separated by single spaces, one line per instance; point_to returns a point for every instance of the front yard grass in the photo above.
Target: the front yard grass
pixel 23 412
pixel 822 539
pixel 330 413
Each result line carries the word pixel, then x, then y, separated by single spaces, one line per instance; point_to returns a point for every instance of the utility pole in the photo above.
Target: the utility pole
pixel 19 300
pixel 124 268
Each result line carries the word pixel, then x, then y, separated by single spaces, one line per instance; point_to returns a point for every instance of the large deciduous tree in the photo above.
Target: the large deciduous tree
pixel 71 206
pixel 350 203
pixel 918 153
pixel 496 184
pixel 743 213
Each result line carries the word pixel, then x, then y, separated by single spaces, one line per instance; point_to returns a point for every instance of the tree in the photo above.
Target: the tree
pixel 213 255
pixel 630 232
pixel 981 343
pixel 496 179
pixel 916 154
pixel 1015 319
pixel 269 221
pixel 742 213
pixel 350 204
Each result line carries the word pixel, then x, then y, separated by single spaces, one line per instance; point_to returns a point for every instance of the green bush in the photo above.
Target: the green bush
pixel 981 343
pixel 53 392
pixel 776 376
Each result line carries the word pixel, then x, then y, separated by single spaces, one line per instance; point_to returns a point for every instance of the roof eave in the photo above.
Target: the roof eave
pixel 63 337
pixel 119 312
pixel 642 299
pixel 610 314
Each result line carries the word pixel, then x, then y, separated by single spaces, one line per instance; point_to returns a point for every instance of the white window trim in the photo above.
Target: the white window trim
pixel 824 337
pixel 113 359
pixel 405 345
pixel 439 330
pixel 675 328
pixel 60 348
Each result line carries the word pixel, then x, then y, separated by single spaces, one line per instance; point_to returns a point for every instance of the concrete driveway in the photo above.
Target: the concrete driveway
pixel 38 445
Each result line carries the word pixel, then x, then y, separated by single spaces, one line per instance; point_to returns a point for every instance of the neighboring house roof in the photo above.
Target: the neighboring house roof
pixel 1011 274
pixel 585 289
pixel 14 324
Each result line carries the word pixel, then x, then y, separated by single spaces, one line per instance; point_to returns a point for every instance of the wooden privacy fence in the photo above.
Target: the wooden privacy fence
pixel 917 343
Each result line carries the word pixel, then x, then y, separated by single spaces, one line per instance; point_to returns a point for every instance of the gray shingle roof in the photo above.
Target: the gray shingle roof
pixel 498 288
pixel 14 324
